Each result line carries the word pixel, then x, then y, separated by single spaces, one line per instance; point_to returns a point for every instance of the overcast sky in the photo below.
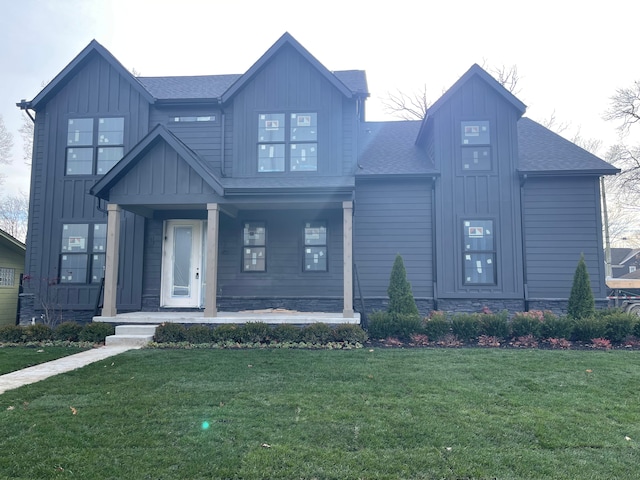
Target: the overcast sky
pixel 571 55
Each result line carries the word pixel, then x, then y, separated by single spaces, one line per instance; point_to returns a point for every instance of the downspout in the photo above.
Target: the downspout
pixel 222 142
pixel 607 240
pixel 525 283
pixel 434 246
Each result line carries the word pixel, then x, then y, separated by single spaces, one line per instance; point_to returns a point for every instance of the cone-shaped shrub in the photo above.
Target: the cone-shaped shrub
pixel 400 296
pixel 581 303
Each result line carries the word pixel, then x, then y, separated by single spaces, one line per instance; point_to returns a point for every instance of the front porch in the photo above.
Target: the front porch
pixel 271 316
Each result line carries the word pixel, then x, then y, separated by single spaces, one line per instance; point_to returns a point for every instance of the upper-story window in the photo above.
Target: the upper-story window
pixel 94 145
pixel 476 145
pixel 287 142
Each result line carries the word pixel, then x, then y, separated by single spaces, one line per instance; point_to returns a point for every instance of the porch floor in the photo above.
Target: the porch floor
pixel 270 317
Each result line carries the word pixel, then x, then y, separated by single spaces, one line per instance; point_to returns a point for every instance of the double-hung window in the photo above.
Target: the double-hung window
pixel 479 252
pixel 476 146
pixel 254 247
pixel 315 247
pixel 287 142
pixel 82 258
pixel 94 145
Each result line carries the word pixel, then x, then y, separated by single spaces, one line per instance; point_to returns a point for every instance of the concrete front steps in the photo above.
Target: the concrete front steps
pixel 131 336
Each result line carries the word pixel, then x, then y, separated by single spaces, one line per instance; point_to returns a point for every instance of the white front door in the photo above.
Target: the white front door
pixel 182 265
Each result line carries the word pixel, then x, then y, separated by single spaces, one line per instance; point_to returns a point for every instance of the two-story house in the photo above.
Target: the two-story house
pixel 264 190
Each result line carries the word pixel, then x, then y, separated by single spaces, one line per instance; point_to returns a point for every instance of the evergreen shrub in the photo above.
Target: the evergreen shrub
pixel 436 326
pixel 465 326
pixel 198 334
pixel 286 333
pixel 400 296
pixel 38 333
pixel 581 302
pixel 318 333
pixel 254 332
pixel 226 333
pixel 11 334
pixel 556 327
pixel 619 325
pixel 586 329
pixel 494 325
pixel 67 331
pixel 96 332
pixel 527 323
pixel 170 333
pixel 385 325
pixel 349 333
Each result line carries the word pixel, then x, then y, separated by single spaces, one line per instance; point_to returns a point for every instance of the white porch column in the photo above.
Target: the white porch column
pixel 347 213
pixel 213 216
pixel 111 261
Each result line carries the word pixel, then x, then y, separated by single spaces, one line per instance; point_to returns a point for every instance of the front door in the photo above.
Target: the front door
pixel 182 266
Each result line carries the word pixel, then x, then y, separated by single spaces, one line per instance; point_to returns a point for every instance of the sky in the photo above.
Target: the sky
pixel 571 56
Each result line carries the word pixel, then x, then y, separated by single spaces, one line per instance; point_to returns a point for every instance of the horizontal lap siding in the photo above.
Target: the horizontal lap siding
pixel 9 295
pixel 284 276
pixel 562 220
pixel 393 217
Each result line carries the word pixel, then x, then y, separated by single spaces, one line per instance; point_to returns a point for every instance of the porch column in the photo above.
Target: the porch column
pixel 213 216
pixel 347 213
pixel 111 261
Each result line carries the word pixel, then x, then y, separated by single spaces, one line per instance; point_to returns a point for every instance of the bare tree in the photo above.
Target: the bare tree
pixel 26 132
pixel 625 107
pixel 6 145
pixel 508 77
pixel 14 212
pixel 408 107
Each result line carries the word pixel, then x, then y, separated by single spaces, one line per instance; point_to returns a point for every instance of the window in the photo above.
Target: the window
pixel 287 142
pixel 83 252
pixel 7 277
pixel 94 146
pixel 476 149
pixel 315 247
pixel 632 268
pixel 208 118
pixel 479 252
pixel 254 247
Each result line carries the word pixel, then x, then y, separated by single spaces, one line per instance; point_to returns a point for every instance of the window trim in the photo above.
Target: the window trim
pixel 287 141
pixel 95 145
pixel 493 252
pixel 250 245
pixel 89 252
pixel 325 245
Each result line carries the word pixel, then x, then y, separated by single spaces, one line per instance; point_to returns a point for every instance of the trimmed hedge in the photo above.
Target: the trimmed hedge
pixel 96 332
pixel 67 332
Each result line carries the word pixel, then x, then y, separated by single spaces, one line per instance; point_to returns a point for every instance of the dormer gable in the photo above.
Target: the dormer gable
pixel 92 50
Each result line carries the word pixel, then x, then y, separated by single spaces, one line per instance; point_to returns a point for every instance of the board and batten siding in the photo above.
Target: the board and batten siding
pixel 96 90
pixel 561 222
pixel 393 216
pixel 288 83
pixel 483 195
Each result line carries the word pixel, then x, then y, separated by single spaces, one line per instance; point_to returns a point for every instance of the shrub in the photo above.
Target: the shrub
pixel 465 326
pixel 400 296
pixel 619 326
pixel 254 332
pixel 199 334
pixel 581 302
pixel 494 325
pixel 556 327
pixel 636 329
pixel 316 333
pixel 585 329
pixel 286 333
pixel 96 332
pixel 436 326
pixel 527 323
pixel 68 331
pixel 170 333
pixel 349 333
pixel 226 333
pixel 38 333
pixel 11 334
pixel 402 326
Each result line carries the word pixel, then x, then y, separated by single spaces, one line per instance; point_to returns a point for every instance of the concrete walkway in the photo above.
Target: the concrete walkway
pixel 65 364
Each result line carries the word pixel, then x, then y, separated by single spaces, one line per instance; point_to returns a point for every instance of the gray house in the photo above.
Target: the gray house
pixel 265 189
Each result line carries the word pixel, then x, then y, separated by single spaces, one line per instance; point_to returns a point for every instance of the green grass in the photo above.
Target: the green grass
pixel 421 414
pixel 17 358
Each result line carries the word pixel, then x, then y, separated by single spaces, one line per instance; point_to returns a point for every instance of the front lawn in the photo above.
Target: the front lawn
pixel 386 413
pixel 16 358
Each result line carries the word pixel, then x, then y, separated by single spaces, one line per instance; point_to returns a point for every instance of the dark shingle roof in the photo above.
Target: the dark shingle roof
pixel 619 255
pixel 389 148
pixel 203 86
pixel 354 80
pixel 545 152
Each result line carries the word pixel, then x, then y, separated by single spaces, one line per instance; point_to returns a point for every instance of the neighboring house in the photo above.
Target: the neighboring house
pixel 11 268
pixel 235 192
pixel 624 261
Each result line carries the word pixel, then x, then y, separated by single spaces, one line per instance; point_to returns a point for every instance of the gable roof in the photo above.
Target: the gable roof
pixel 389 148
pixel 284 40
pixel 12 243
pixel 159 133
pixel 94 48
pixel 543 152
